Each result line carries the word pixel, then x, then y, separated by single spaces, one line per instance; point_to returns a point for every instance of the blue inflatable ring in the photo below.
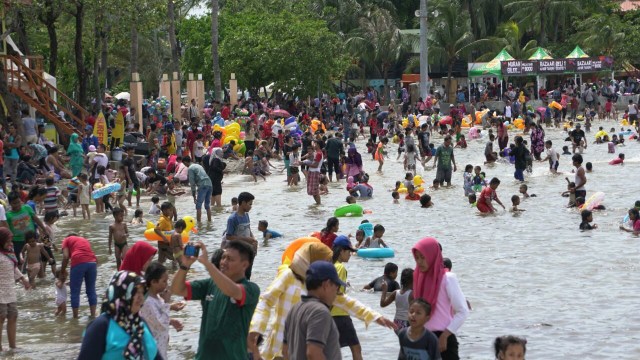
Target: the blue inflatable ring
pixel 376 253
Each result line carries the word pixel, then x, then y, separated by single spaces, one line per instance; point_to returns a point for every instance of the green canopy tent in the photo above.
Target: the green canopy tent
pixel 492 68
pixel 540 54
pixel 577 53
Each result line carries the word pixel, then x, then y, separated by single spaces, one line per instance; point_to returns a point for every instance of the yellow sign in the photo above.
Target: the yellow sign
pixel 100 130
pixel 117 134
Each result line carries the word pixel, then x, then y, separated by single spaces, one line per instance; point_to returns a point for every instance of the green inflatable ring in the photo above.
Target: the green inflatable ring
pixel 348 210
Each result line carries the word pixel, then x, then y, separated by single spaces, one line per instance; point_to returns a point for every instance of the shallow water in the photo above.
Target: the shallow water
pixel 572 294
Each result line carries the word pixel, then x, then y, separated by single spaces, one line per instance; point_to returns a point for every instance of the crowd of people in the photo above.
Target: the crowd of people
pixel 306 311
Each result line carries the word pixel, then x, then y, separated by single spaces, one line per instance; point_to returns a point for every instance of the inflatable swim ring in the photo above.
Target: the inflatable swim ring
pixel 593 201
pixel 151 235
pixel 287 255
pixel 348 210
pixel 105 190
pixel 376 253
pixel 367 228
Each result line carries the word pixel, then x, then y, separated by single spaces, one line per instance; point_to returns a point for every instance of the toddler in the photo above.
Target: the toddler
pixel 263 226
pixel 234 204
pixel 472 200
pixel 177 247
pixel 396 197
pixel 468 180
pixel 515 201
pixel 32 254
pixel 411 195
pixel 510 347
pixel 154 209
pixel 61 293
pixel 137 218
pixel 84 192
pixel 587 219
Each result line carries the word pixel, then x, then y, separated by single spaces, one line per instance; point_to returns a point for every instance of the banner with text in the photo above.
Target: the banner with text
pixel 555 66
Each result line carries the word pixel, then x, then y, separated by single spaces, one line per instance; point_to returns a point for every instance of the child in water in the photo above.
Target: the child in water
pixel 587 218
pixel 381 152
pixel 472 200
pixel 425 201
pixel 234 204
pixel 634 220
pixel 177 247
pixel 488 195
pixel 416 342
pixel 61 293
pixel 468 180
pixel 619 160
pixel 263 226
pixel 137 218
pixel 510 347
pixel 524 191
pixel 389 277
pixel 155 208
pixel 396 197
pixel 376 240
pixel 515 201
pixel 118 235
pixel 32 254
pixel 402 298
pixel 571 193
pixel 411 195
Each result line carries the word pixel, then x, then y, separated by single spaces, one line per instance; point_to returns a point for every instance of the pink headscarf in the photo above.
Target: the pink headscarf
pixel 426 285
pixel 350 183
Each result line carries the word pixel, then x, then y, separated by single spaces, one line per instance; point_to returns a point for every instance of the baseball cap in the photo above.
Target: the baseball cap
pixel 92 148
pixel 344 242
pixel 324 270
pixel 88 127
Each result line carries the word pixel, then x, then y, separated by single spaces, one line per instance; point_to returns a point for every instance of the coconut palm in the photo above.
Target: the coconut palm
pixel 509 37
pixel 450 36
pixel 378 42
pixel 535 13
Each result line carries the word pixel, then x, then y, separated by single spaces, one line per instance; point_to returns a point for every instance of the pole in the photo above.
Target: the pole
pixel 424 58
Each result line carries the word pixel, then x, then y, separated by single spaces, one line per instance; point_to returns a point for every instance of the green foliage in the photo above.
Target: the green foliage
pixel 292 51
pixel 195 37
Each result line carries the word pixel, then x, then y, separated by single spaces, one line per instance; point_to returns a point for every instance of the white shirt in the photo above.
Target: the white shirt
pixel 3 214
pixel 553 155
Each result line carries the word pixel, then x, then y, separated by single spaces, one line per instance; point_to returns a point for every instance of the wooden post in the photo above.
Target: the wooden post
pixel 165 87
pixel 175 96
pixel 135 91
pixel 200 91
pixel 233 90
pixel 192 91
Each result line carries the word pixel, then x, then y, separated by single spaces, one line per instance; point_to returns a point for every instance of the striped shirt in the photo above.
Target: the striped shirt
pixel 51 199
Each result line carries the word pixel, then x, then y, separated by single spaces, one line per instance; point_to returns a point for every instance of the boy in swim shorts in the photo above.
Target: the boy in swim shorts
pixel 118 234
pixel 32 254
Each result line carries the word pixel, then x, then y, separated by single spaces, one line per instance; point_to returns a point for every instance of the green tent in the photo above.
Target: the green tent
pixel 540 54
pixel 577 53
pixel 493 67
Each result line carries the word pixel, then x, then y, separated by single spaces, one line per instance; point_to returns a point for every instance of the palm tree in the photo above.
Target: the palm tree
pixel 609 36
pixel 379 43
pixel 217 81
pixel 450 36
pixel 509 37
pixel 535 13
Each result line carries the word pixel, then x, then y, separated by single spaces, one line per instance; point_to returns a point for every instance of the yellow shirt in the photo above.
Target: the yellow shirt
pixel 342 274
pixel 165 224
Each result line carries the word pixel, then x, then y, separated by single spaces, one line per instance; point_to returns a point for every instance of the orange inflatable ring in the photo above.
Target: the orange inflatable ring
pixel 290 251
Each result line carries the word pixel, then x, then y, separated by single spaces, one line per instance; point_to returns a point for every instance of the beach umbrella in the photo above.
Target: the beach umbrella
pixel 123 95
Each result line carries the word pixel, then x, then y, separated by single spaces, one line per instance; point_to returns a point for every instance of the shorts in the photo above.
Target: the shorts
pixel 164 252
pixel 34 268
pixel 348 335
pixel 217 189
pixel 9 311
pixel 443 175
pixel 204 196
pixel 553 165
pixel 579 193
pixel 633 117
pixel 313 183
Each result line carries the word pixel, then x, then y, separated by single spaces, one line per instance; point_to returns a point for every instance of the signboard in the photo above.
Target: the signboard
pixel 555 66
pixel 594 64
pixel 517 67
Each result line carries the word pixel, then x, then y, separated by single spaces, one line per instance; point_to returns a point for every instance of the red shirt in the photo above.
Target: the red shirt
pixel 607 106
pixel 413 196
pixel 616 161
pixel 225 112
pixel 328 239
pixel 79 250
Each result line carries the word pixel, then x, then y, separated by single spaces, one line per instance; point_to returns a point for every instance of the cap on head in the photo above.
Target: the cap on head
pixel 92 148
pixel 88 127
pixel 324 270
pixel 344 242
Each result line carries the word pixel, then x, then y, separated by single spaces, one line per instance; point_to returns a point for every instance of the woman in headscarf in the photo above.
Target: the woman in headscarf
pixel 354 164
pixel 537 140
pixel 138 257
pixel 440 289
pixel 216 171
pixel 76 155
pixel 119 332
pixel 9 274
pixel 284 292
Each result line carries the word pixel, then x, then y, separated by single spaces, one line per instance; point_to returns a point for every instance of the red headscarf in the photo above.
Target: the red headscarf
pixel 137 256
pixel 426 285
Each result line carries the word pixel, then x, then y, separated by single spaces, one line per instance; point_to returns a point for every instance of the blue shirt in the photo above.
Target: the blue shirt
pixel 239 225
pixel 88 141
pixel 274 234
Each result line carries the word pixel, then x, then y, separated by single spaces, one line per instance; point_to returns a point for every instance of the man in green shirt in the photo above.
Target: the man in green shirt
pixel 228 300
pixel 444 157
pixel 21 218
